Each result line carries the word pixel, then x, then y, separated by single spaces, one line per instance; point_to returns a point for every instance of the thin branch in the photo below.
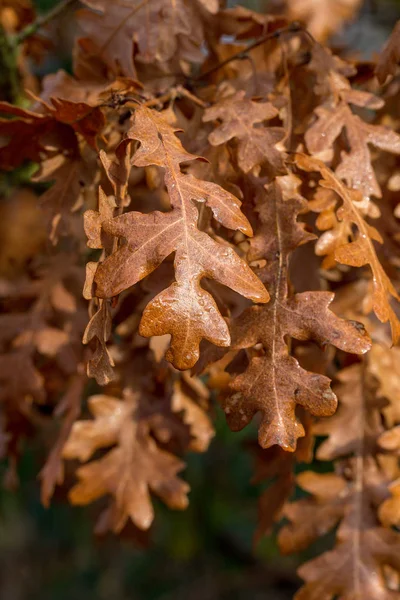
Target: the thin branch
pixel 40 22
pixel 291 28
pixel 294 27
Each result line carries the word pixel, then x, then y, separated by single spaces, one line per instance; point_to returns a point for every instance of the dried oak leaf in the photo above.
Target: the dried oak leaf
pixel 355 166
pixel 389 510
pixel 31 132
pixel 357 419
pixel 148 31
pixel 390 56
pixel 335 232
pixel 354 569
pixel 361 251
pixel 239 116
pixel 20 380
pixel 384 365
pixel 133 467
pixel 274 383
pixel 27 137
pixel 185 310
pixel 194 416
pixel 47 332
pixel 279 466
pixel 70 177
pixel 96 334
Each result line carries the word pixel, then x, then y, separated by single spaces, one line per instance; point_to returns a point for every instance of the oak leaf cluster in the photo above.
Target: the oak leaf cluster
pixel 213 223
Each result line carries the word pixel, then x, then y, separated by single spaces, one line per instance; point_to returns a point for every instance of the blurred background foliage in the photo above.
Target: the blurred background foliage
pixel 204 553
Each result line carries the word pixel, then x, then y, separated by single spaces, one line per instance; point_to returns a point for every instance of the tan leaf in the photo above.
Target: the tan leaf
pixel 160 30
pixel 356 421
pixel 274 383
pixel 98 332
pixel 239 115
pixel 355 166
pixel 384 364
pixel 361 251
pixel 185 310
pixel 133 467
pixel 194 416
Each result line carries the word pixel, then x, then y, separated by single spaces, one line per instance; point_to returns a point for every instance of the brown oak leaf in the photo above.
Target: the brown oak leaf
pixel 274 383
pixel 30 132
pixel 194 416
pixel 355 166
pixel 147 31
pixel 239 116
pixel 133 467
pixel 97 333
pixel 357 417
pixel 185 310
pixel 361 251
pixel 353 570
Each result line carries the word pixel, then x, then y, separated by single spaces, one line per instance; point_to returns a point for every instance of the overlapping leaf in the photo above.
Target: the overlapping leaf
pixel 133 467
pixel 274 383
pixel 185 310
pixel 149 31
pixel 31 133
pixel 241 119
pixel 355 166
pixel 361 251
pixel 354 569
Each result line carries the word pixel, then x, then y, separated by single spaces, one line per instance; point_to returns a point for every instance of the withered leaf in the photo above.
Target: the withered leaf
pixel 133 467
pixel 65 196
pixel 94 219
pixel 194 416
pixel 274 383
pixel 357 420
pixel 384 365
pixel 20 379
pixel 147 31
pixel 361 251
pixel 353 570
pixel 30 131
pixel 355 166
pixel 185 310
pixel 98 332
pixel 239 116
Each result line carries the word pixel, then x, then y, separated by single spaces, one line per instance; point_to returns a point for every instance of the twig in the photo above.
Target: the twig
pixel 291 28
pixel 40 22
